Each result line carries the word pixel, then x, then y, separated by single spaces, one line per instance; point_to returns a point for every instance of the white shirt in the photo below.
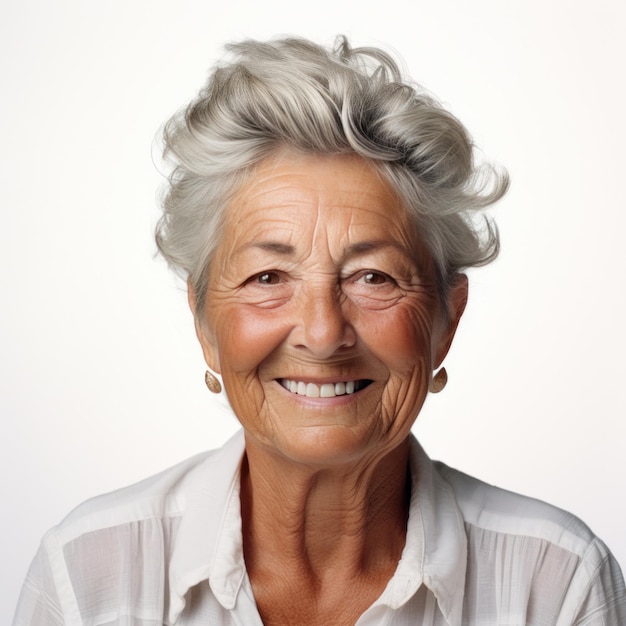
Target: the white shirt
pixel 168 550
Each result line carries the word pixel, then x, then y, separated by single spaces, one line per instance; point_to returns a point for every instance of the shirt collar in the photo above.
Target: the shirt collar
pixel 209 546
pixel 435 553
pixel 205 542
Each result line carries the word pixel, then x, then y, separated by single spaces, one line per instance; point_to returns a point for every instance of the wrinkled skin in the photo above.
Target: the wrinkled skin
pixel 320 277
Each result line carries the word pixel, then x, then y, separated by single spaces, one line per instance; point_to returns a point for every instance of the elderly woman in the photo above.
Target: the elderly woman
pixel 322 212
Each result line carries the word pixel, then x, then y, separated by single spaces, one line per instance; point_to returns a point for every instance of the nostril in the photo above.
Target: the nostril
pixel 326 331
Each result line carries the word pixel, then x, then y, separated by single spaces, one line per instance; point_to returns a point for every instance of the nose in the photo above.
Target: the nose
pixel 322 325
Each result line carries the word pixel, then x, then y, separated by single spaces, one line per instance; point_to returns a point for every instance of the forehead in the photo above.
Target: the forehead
pixel 294 194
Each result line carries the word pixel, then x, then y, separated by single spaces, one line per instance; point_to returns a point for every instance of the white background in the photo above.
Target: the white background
pixel 101 381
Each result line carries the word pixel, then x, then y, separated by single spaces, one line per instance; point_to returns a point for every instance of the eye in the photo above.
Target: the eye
pixel 267 289
pixel 266 278
pixel 375 278
pixel 372 289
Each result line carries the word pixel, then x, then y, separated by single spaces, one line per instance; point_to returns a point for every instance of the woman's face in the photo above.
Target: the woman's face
pixel 321 311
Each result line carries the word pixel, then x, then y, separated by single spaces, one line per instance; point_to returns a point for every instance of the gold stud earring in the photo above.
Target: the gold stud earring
pixel 212 382
pixel 438 381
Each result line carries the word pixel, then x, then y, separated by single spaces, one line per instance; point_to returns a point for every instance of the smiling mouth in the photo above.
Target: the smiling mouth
pixel 325 390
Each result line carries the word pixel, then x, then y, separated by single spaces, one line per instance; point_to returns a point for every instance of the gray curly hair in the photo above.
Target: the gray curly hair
pixel 293 92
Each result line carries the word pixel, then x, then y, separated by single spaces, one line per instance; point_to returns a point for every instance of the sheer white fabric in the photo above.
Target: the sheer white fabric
pixel 168 551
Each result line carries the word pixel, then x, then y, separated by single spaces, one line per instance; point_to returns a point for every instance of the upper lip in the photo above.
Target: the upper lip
pixel 323 380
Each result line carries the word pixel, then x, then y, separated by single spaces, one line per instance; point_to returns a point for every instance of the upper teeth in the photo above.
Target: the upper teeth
pixel 311 390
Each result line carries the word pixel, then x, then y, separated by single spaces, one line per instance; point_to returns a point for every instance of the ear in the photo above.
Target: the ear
pixel 204 333
pixel 457 299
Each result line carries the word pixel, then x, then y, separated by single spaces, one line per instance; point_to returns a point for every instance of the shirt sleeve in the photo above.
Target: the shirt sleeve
pixel 39 604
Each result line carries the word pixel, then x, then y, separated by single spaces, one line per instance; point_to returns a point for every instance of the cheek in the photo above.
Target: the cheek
pixel 402 341
pixel 402 338
pixel 246 337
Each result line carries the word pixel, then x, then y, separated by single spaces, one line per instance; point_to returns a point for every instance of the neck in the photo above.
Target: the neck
pixel 313 521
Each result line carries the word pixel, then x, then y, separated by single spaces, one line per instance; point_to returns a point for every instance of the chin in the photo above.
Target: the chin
pixel 330 446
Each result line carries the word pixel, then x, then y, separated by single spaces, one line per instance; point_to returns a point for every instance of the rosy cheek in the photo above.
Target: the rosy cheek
pixel 400 338
pixel 252 335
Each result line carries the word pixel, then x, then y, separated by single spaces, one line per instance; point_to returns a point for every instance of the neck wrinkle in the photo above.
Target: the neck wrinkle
pixel 320 520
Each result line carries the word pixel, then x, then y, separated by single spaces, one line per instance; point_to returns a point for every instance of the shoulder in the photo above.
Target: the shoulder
pixel 546 562
pixel 112 554
pixel 497 510
pixel 163 496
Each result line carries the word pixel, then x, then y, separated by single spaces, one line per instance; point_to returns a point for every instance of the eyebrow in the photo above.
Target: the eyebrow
pixel 363 247
pixel 356 249
pixel 276 247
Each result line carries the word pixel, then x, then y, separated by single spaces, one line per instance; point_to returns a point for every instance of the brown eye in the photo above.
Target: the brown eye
pixel 268 278
pixel 374 278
